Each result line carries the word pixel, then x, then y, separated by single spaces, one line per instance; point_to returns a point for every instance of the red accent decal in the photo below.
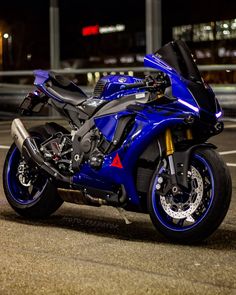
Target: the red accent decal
pixel 116 162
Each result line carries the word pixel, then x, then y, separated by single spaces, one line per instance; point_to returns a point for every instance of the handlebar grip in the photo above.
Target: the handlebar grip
pixel 134 85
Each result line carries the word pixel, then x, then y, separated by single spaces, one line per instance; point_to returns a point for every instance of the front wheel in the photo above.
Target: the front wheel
pixel 198 211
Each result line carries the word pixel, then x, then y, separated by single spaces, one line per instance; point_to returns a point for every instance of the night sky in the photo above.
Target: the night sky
pixel 28 22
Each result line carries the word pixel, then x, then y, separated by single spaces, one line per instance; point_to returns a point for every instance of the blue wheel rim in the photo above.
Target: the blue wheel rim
pixel 165 219
pixel 18 193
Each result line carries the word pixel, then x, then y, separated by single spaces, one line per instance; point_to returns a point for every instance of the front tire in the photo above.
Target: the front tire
pixel 196 214
pixel 29 192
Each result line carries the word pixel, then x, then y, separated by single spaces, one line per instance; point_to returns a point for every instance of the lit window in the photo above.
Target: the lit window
pixel 183 33
pixel 203 32
pixel 218 30
pixel 225 29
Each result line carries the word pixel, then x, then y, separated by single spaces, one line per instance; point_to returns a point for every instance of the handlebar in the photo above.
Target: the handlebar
pixel 150 83
pixel 134 85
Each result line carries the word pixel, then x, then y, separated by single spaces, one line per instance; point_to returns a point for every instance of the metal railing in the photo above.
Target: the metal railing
pixel 225 93
pixel 225 67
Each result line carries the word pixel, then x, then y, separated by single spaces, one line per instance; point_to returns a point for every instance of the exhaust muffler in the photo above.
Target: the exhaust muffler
pixel 30 152
pixel 18 133
pixel 80 197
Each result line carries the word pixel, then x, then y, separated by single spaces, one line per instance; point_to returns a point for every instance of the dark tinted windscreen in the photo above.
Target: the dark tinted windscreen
pixel 177 55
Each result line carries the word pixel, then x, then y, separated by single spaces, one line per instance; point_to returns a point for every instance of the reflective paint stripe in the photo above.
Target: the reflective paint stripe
pixel 231 164
pixel 4 147
pixel 227 152
pixel 4 131
pixel 230 126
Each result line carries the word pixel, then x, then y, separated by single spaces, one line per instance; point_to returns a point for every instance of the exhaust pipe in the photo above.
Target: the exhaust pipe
pixel 18 133
pixel 30 152
pixel 79 197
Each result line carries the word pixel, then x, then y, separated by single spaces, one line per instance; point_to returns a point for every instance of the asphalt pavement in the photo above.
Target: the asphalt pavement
pixel 86 250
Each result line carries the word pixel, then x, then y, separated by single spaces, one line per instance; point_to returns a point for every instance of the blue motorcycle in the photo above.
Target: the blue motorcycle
pixel 136 144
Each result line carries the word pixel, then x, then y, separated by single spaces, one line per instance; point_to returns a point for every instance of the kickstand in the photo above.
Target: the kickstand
pixel 122 214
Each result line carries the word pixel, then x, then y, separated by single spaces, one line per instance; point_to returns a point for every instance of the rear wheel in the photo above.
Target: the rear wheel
pixel 197 212
pixel 29 192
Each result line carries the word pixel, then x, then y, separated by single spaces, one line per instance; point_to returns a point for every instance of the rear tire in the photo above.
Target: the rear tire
pixel 38 200
pixel 213 194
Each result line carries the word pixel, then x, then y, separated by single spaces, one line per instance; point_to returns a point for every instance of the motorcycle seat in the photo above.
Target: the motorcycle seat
pixel 65 90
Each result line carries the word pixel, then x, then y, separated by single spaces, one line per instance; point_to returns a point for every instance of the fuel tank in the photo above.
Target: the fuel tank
pixel 110 87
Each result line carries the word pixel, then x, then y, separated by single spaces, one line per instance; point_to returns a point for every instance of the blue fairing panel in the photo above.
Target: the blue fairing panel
pixel 107 124
pixel 41 77
pixel 147 126
pixel 179 84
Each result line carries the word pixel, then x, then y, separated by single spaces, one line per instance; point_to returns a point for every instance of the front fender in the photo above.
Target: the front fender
pixel 181 162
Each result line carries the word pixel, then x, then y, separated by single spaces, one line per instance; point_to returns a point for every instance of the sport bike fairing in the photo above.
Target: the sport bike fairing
pixel 137 144
pixel 150 121
pixel 188 87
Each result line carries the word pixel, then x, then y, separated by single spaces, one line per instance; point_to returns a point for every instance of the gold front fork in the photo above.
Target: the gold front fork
pixel 169 153
pixel 169 142
pixel 189 134
pixel 170 149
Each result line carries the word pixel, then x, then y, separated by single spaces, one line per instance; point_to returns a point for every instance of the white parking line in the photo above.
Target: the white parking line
pixel 4 131
pixel 4 147
pixel 227 152
pixel 230 126
pixel 231 164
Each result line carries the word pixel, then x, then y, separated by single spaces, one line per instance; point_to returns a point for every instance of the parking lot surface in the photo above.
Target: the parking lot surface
pixel 86 250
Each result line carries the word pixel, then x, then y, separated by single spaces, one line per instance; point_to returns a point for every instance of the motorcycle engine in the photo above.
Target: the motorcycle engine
pixel 68 152
pixel 57 150
pixel 86 149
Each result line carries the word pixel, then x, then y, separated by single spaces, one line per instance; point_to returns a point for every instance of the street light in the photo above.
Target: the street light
pixel 6 58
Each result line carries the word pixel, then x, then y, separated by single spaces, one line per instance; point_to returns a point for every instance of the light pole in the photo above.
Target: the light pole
pixel 7 50
pixel 54 41
pixel 153 25
pixel 54 35
pixel 1 50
